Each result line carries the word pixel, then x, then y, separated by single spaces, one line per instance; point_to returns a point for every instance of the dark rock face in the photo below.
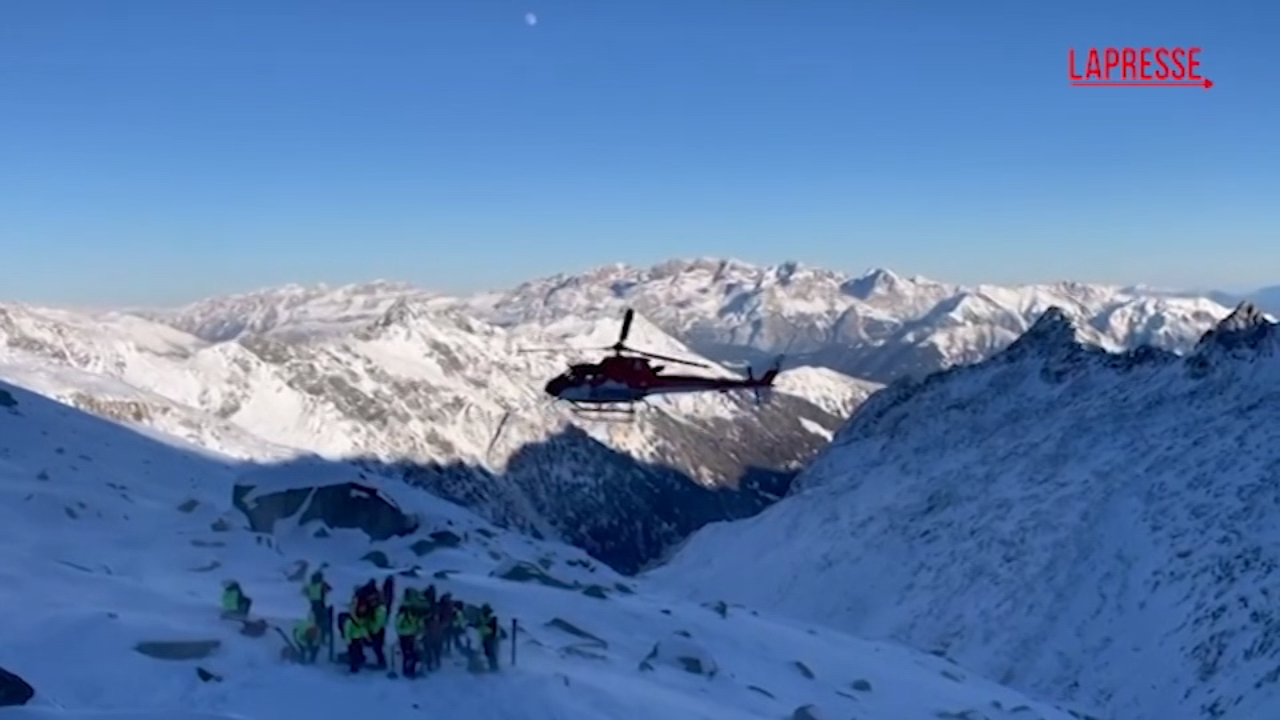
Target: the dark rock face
pixel 343 505
pixel 622 511
pixel 14 690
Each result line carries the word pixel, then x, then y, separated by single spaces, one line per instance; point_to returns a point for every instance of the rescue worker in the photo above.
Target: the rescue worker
pixel 372 615
pixel 487 628
pixel 307 635
pixel 458 627
pixel 234 602
pixel 356 636
pixel 408 627
pixel 433 637
pixel 317 593
pixel 444 610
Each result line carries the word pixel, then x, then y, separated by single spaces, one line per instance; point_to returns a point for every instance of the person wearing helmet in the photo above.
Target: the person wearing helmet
pixel 306 633
pixel 408 628
pixel 234 602
pixel 487 628
pixel 317 593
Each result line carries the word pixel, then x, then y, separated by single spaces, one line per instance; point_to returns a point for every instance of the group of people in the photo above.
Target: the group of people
pixel 427 627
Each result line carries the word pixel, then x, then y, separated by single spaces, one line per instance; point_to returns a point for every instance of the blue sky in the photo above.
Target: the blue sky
pixel 154 152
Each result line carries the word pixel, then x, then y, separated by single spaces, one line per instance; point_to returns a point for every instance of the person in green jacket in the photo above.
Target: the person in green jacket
pixel 372 615
pixel 234 602
pixel 356 636
pixel 317 593
pixel 408 628
pixel 307 635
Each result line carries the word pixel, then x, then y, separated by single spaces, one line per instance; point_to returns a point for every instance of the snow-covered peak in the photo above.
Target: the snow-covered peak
pixel 877 281
pixel 1053 333
pixel 1246 327
pixel 296 309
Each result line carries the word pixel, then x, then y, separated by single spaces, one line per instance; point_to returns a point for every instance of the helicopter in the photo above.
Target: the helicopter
pixel 612 386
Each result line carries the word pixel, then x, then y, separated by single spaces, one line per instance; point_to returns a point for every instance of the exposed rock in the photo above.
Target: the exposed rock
pixel 13 689
pixel 804 670
pixel 220 525
pixel 807 712
pixel 861 685
pixel 178 649
pixel 719 607
pixel 436 541
pixel 208 675
pixel 683 654
pixel 189 505
pixel 570 628
pixel 378 558
pixel 6 399
pixel 521 571
pixel 596 591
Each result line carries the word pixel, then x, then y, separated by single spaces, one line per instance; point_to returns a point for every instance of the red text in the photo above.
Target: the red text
pixel 1128 63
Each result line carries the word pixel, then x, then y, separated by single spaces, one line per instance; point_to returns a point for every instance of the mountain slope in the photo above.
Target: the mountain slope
pixel 448 401
pixel 111 539
pixel 879 326
pixel 1100 529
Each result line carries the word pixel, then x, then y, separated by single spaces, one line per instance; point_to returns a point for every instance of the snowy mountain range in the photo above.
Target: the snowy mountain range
pixel 114 544
pixel 427 390
pixel 1091 527
pixel 878 326
pixel 434 387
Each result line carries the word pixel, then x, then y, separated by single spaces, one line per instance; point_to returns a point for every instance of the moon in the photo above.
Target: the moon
pixel 530 19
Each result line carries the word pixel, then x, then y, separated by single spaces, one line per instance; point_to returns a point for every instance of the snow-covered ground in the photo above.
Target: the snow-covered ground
pixel 110 537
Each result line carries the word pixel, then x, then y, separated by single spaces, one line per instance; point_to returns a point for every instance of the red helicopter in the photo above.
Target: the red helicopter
pixel 615 384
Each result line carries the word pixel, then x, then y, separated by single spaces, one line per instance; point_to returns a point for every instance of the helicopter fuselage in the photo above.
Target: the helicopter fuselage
pixel 623 379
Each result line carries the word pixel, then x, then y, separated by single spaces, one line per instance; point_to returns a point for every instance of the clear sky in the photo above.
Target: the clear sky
pixel 158 151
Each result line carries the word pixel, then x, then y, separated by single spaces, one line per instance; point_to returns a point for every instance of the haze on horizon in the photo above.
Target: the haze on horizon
pixel 179 151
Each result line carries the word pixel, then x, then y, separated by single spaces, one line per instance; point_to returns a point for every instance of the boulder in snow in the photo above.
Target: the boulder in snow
pixel 807 712
pixel 13 689
pixel 681 653
pixel 178 649
pixel 521 571
pixel 337 495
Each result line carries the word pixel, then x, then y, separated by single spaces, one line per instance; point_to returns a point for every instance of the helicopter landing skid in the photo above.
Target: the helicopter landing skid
pixel 618 412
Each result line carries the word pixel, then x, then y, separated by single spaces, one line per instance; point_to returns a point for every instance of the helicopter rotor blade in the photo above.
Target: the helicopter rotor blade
pixel 565 349
pixel 668 358
pixel 627 318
